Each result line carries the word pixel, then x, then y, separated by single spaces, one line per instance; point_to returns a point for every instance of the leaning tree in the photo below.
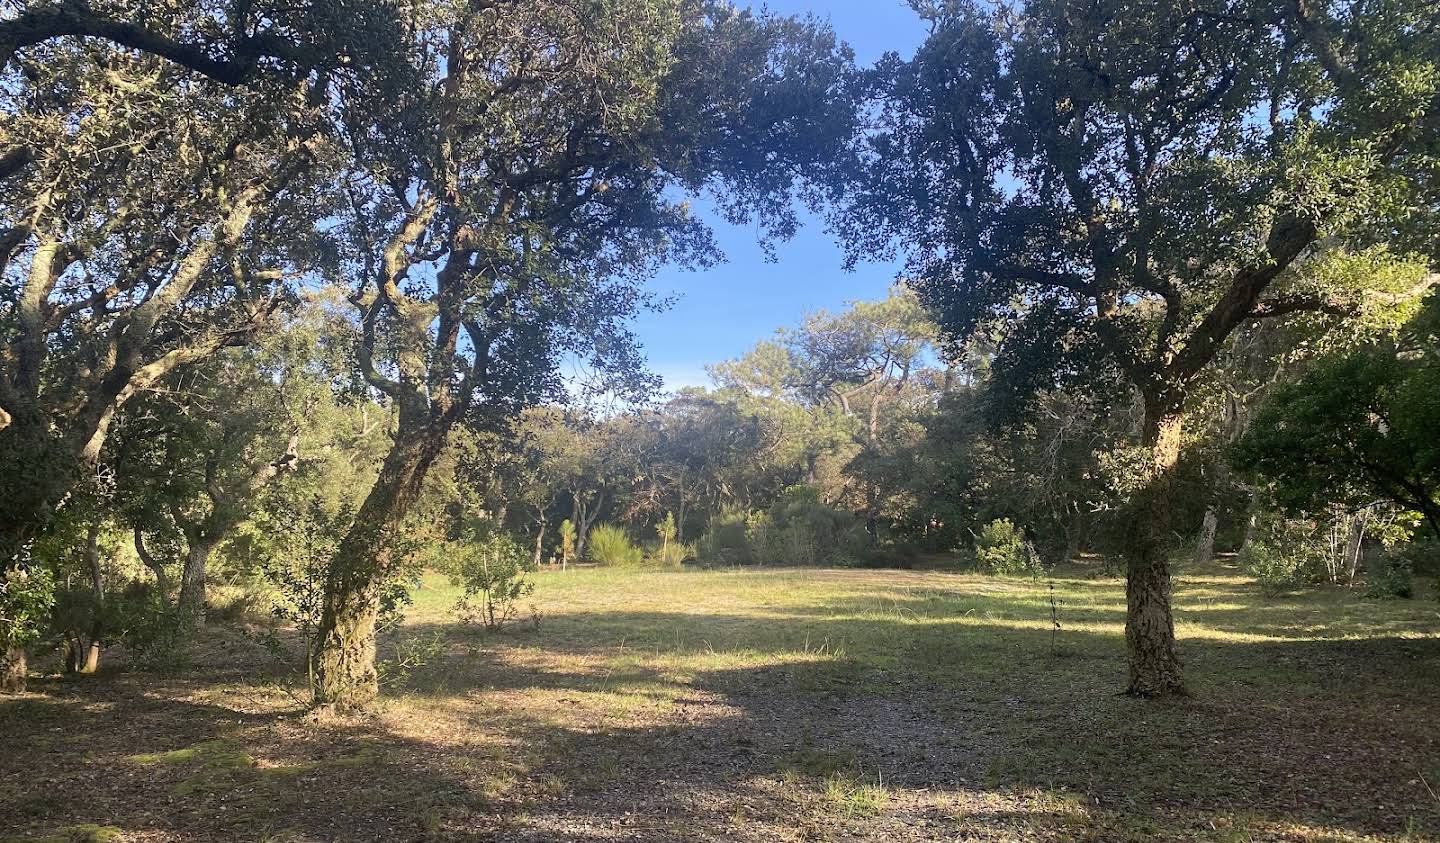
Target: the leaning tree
pixel 1117 187
pixel 504 212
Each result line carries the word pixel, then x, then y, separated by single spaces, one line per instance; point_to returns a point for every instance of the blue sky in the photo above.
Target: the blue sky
pixel 723 311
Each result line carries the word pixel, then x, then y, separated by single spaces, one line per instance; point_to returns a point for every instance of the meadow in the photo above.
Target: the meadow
pixel 767 705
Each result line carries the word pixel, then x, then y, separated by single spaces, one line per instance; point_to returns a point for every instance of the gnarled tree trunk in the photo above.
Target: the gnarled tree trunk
pixel 1155 669
pixel 344 658
pixel 192 601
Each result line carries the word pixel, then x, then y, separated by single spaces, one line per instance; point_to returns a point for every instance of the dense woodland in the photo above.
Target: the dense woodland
pixel 302 301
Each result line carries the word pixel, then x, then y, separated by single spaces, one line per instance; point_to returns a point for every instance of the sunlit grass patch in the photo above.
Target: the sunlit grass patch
pixel 83 833
pixel 787 704
pixel 855 797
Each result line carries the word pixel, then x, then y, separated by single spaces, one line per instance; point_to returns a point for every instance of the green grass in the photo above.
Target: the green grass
pixel 797 705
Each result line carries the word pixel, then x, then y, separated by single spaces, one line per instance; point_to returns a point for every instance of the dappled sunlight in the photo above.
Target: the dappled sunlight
pixel 775 705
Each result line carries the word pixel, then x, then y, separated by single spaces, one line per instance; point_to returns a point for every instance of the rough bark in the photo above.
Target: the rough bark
pixel 13 670
pixel 193 599
pixel 344 657
pixel 539 541
pixel 1205 546
pixel 1155 669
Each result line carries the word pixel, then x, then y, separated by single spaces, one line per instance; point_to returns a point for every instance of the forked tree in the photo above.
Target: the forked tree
pixel 503 215
pixel 1116 187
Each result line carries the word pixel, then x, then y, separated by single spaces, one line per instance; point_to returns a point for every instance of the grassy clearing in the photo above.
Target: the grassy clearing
pixel 778 705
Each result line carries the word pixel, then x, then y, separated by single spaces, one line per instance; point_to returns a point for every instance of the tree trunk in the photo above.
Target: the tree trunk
pixel 1252 518
pixel 97 592
pixel 539 542
pixel 13 671
pixel 577 515
pixel 344 660
pixel 1354 542
pixel 192 581
pixel 1205 547
pixel 156 566
pixel 1155 669
pixel 585 514
pixel 344 656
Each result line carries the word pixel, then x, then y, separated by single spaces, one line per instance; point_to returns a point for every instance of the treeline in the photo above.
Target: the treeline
pixel 295 282
pixel 854 439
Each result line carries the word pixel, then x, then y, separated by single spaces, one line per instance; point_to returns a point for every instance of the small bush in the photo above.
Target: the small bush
pixel 568 536
pixel 672 555
pixel 1392 577
pixel 149 626
pixel 727 539
pixel 413 653
pixel 491 568
pixel 609 545
pixel 1000 550
pixel 26 596
pixel 1275 571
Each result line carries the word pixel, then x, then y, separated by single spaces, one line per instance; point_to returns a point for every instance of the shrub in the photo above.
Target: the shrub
pixel 1000 550
pixel 1275 571
pixel 304 535
pixel 26 597
pixel 610 546
pixel 798 529
pixel 491 568
pixel 727 538
pixel 1392 577
pixel 666 530
pixel 672 555
pixel 149 626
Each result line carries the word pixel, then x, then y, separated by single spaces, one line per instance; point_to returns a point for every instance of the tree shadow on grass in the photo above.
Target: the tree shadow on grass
pixel 1331 734
pixel 832 723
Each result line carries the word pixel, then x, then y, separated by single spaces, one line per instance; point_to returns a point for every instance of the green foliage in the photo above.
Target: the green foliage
pixel 412 654
pixel 568 534
pixel 1392 576
pixel 727 538
pixel 1001 549
pixel 672 555
pixel 305 535
pixel 1356 426
pixel 1277 568
pixel 26 597
pixel 798 529
pixel 609 545
pixel 491 568
pixel 665 530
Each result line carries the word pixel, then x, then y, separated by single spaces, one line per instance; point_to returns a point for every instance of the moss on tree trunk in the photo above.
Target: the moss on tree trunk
pixel 344 655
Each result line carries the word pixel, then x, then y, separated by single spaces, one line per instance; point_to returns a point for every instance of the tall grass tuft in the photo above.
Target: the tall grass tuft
pixel 609 545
